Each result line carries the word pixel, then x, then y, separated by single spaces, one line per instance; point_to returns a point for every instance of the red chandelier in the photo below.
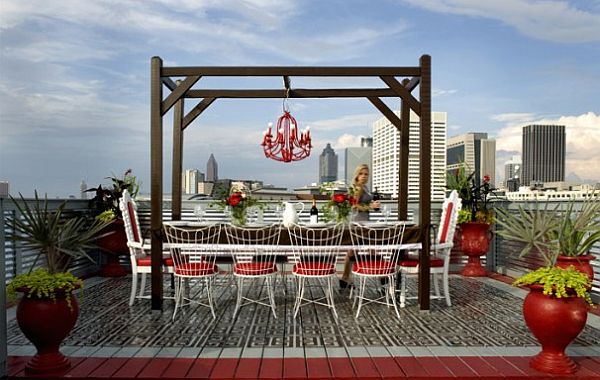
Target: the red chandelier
pixel 286 146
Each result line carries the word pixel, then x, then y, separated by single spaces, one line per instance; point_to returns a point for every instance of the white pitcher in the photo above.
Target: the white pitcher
pixel 290 215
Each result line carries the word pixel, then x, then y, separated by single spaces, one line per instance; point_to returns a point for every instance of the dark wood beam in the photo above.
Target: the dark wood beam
pixel 386 111
pixel 177 162
pixel 156 177
pixel 412 84
pixel 196 111
pixel 171 85
pixel 425 182
pixel 286 82
pixel 403 159
pixel 175 95
pixel 277 71
pixel 297 93
pixel 403 93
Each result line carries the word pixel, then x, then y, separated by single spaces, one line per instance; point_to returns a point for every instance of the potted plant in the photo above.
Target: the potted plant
pixel 474 218
pixel 48 310
pixel 339 206
pixel 106 206
pixel 559 289
pixel 236 203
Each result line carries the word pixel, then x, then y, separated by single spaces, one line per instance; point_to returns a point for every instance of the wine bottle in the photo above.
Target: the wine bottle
pixel 314 212
pixel 376 197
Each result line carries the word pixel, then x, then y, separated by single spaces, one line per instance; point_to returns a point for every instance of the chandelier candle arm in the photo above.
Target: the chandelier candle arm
pixel 287 145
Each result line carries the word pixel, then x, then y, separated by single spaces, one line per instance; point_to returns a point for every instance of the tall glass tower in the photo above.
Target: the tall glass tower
pixel 544 148
pixel 212 169
pixel 328 165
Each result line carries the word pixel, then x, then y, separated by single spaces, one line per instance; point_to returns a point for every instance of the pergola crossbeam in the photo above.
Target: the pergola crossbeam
pixel 296 93
pixel 278 71
pixel 176 94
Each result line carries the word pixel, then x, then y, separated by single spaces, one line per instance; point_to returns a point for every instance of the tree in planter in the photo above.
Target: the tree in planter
pixel 48 310
pixel 560 290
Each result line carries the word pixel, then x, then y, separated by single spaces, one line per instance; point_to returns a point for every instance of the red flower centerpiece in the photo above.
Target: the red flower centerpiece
pixel 340 204
pixel 236 204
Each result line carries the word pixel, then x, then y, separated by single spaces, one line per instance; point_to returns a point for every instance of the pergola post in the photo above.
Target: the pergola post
pixel 177 164
pixel 425 181
pixel 156 175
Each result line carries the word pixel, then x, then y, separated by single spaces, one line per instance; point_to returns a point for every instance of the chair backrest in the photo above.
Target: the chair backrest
pixel 130 218
pixel 317 247
pixel 447 227
pixel 254 247
pixel 193 248
pixel 377 248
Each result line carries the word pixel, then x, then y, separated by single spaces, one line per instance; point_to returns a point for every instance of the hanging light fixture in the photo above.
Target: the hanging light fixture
pixel 286 145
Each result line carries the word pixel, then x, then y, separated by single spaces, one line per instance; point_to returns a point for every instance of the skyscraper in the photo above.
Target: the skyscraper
pixel 328 165
pixel 512 173
pixel 386 151
pixel 212 169
pixel 355 156
pixel 475 151
pixel 544 149
pixel 191 178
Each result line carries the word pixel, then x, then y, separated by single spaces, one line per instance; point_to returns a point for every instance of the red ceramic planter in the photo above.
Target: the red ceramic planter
pixel 581 263
pixel 474 242
pixel 46 323
pixel 555 322
pixel 113 245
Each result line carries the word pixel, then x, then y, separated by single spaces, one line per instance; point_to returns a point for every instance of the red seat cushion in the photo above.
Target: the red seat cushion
pixel 255 269
pixel 374 267
pixel 147 261
pixel 434 263
pixel 196 269
pixel 314 269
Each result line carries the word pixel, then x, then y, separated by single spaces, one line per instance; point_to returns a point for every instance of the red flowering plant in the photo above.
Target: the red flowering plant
pixel 340 203
pixel 236 204
pixel 475 197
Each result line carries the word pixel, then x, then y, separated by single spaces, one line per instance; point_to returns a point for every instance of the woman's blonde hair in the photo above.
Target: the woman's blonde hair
pixel 358 189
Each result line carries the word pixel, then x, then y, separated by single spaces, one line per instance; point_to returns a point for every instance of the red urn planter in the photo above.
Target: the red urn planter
pixel 46 322
pixel 113 246
pixel 474 242
pixel 581 263
pixel 555 322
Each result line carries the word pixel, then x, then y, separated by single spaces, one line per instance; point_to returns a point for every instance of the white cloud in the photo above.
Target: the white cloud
pixel 556 21
pixel 583 138
pixel 347 141
pixel 346 122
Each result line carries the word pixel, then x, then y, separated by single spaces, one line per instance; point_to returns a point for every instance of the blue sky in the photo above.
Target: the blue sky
pixel 74 79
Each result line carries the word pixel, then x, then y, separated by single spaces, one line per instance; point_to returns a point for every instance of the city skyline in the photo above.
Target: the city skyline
pixel 74 80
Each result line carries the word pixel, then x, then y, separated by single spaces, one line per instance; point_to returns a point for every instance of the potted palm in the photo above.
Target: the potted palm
pixel 559 289
pixel 106 206
pixel 474 218
pixel 48 310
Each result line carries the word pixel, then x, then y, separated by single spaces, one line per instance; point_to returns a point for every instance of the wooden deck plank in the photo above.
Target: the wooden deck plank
pixel 294 368
pixel 271 368
pixel 388 367
pixel 131 369
pixel 588 365
pixel 107 370
pixel 365 368
pixel 178 368
pixel 248 368
pixel 434 367
pixel 481 367
pixel 85 367
pixel 504 367
pixel 318 368
pixel 224 368
pixel 201 368
pixel 457 366
pixel 155 368
pixel 341 368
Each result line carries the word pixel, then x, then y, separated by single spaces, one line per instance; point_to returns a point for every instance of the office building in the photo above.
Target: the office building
pixel 354 156
pixel 476 152
pixel 212 169
pixel 512 174
pixel 191 179
pixel 544 148
pixel 386 152
pixel 82 190
pixel 328 165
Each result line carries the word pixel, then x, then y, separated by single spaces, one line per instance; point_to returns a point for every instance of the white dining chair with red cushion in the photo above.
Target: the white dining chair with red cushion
pixel 315 252
pixel 254 263
pixel 441 249
pixel 139 250
pixel 194 251
pixel 376 249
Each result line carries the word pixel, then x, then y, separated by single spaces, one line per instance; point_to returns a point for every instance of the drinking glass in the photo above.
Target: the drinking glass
pixel 386 211
pixel 279 212
pixel 199 211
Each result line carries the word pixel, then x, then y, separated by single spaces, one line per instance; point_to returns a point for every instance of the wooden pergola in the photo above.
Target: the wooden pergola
pixel 181 89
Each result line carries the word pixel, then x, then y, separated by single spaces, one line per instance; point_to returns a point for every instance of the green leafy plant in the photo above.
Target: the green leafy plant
pixel 43 284
pixel 56 238
pixel 557 282
pixel 107 198
pixel 554 230
pixel 474 197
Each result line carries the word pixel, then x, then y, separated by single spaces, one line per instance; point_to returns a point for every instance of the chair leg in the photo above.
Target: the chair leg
pixel 178 294
pixel 134 278
pixel 143 285
pixel 240 289
pixel 209 282
pixel 391 291
pixel 361 294
pixel 436 284
pixel 446 289
pixel 299 295
pixel 271 293
pixel 403 290
pixel 330 296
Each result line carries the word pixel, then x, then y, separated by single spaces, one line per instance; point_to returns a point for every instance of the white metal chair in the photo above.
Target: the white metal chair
pixel 376 251
pixel 441 249
pixel 314 257
pixel 194 252
pixel 139 251
pixel 254 259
